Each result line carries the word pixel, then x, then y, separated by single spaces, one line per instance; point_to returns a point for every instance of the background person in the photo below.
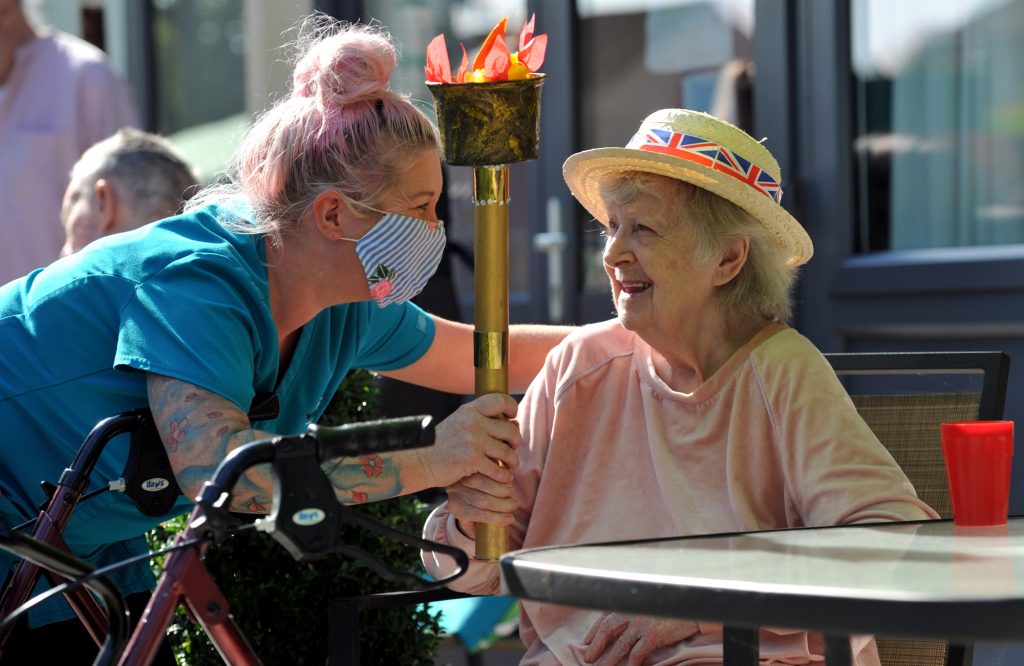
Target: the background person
pixel 58 96
pixel 121 183
pixel 697 410
pixel 280 281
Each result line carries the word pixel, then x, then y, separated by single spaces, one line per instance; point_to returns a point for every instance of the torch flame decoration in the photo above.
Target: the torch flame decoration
pixel 493 62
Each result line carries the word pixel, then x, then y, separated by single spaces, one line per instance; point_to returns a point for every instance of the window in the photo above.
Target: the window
pixel 199 78
pixel 638 56
pixel 939 138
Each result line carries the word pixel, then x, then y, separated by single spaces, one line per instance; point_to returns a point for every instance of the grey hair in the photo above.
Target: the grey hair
pixel 148 172
pixel 763 287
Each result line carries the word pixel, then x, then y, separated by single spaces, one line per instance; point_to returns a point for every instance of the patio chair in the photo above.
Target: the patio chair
pixel 903 397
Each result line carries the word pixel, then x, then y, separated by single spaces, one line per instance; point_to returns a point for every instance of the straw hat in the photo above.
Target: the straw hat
pixel 705 151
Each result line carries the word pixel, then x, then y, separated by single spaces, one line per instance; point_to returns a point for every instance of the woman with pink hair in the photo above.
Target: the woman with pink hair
pixel 298 269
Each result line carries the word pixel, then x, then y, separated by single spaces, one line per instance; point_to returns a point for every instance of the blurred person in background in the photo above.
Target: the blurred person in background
pixel 58 96
pixel 121 183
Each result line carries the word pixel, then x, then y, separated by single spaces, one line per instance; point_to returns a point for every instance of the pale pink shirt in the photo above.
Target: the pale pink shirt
pixel 60 98
pixel 610 452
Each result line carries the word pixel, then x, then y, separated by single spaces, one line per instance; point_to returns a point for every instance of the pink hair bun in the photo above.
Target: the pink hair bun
pixel 352 65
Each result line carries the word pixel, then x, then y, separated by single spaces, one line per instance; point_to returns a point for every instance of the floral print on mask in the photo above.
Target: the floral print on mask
pixel 382 282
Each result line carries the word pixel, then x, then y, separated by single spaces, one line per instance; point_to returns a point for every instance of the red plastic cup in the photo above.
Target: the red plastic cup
pixel 978 455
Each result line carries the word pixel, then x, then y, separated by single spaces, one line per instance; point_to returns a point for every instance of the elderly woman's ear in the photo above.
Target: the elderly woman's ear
pixel 731 261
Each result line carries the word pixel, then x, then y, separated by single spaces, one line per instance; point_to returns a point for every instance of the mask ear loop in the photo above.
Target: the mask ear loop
pixel 351 206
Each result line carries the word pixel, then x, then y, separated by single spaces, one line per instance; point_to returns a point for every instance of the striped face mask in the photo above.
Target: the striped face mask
pixel 399 254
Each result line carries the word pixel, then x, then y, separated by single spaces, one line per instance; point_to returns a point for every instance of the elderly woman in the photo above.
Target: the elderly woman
pixel 696 410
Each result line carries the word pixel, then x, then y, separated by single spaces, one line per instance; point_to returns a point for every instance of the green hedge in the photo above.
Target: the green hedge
pixel 281 604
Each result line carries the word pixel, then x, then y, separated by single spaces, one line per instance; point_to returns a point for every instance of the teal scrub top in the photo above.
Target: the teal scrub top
pixel 186 297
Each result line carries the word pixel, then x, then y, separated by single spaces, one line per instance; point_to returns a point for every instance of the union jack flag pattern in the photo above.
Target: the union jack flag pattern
pixel 708 154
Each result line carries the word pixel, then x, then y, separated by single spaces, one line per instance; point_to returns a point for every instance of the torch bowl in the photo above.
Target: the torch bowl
pixel 490 123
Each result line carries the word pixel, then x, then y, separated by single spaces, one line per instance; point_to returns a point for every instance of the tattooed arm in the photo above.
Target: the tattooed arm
pixel 199 428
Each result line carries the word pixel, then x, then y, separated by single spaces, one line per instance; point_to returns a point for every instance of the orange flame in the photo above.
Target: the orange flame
pixel 493 62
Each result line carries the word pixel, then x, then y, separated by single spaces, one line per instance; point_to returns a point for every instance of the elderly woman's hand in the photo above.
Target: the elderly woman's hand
pixel 479 499
pixel 630 639
pixel 472 439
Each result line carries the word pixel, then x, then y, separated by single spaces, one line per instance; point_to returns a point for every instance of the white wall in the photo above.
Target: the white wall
pixel 269 26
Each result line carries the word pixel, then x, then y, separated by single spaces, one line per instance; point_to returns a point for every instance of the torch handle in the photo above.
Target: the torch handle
pixel 490 336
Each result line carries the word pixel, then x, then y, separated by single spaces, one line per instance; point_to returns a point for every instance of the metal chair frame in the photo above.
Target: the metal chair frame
pixel 993 366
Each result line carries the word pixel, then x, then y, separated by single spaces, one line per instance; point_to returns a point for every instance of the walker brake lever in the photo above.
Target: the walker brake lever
pixel 390 573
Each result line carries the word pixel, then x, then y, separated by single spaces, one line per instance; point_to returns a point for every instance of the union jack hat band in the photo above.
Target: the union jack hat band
pixel 703 150
pixel 710 155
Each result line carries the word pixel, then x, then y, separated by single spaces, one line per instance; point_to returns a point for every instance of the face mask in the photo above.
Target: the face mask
pixel 399 254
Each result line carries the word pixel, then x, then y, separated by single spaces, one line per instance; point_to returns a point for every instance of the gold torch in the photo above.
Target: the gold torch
pixel 488 126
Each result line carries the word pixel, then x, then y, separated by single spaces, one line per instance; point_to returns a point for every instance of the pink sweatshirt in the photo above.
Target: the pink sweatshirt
pixel 610 452
pixel 60 98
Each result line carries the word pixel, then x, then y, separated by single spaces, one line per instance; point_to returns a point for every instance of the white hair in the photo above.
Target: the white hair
pixel 764 285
